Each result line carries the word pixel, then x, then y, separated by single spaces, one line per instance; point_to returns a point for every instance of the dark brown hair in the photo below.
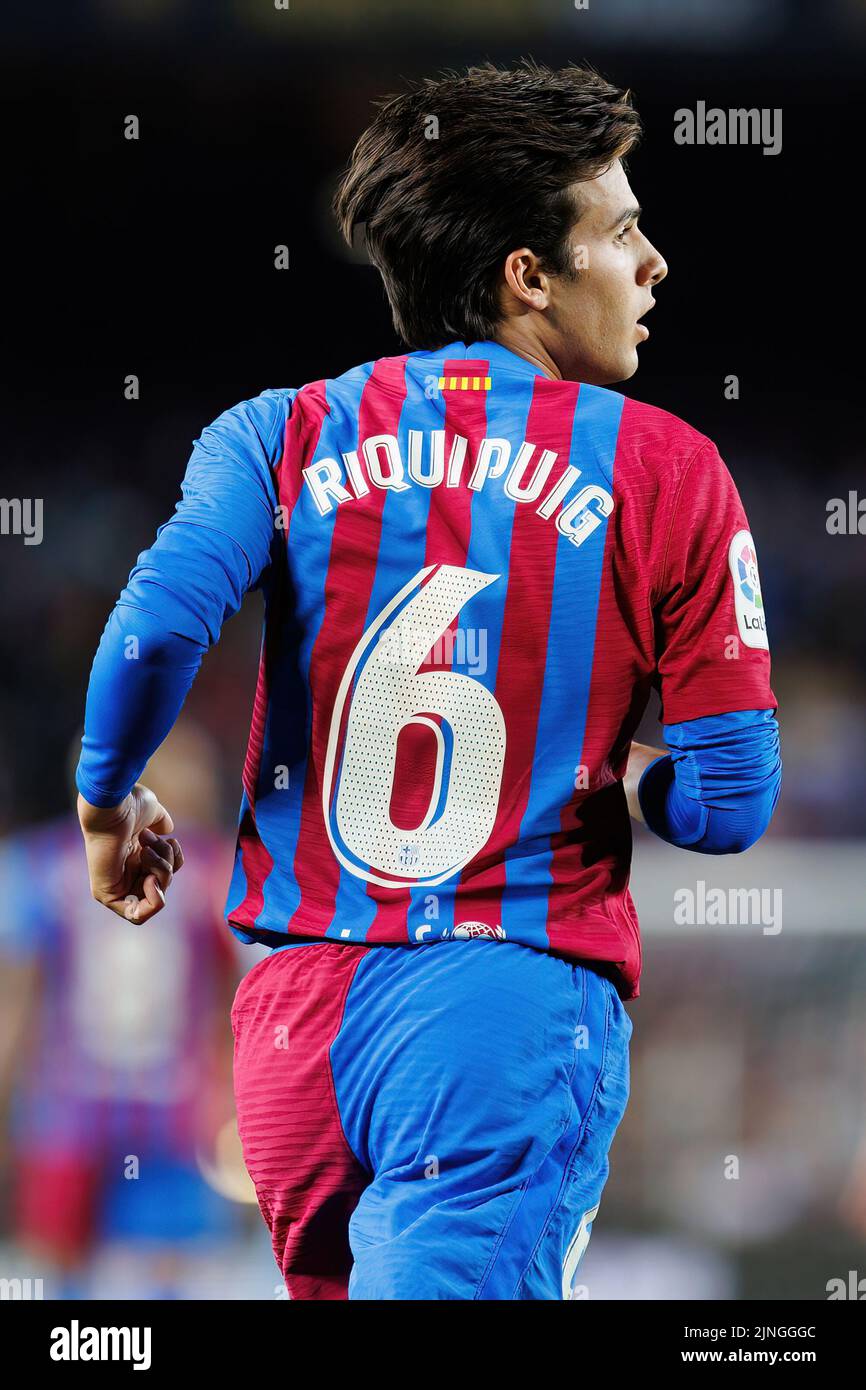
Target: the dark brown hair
pixel 440 214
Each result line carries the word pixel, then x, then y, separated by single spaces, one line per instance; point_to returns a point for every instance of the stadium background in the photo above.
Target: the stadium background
pixel 156 258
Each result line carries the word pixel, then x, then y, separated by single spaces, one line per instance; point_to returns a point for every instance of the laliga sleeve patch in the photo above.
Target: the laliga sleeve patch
pixel 748 603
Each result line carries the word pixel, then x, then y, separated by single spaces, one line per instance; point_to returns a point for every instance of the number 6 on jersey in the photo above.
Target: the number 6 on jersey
pixel 382 693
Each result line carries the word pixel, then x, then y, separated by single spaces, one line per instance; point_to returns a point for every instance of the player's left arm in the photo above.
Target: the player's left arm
pixel 640 757
pixel 715 787
pixel 216 546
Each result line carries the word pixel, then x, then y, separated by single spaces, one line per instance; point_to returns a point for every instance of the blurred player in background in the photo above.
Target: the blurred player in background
pixel 114 1049
pixel 477 562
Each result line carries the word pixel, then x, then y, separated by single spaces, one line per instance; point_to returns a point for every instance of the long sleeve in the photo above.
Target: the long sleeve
pixel 215 547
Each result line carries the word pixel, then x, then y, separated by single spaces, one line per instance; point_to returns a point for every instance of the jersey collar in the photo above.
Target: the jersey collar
pixel 485 350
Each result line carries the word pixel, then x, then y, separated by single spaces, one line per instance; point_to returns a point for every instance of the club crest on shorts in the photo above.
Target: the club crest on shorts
pixel 748 602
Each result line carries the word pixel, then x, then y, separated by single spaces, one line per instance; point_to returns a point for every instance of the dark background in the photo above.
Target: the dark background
pixel 156 257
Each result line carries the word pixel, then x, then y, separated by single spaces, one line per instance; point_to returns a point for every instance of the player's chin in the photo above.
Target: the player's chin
pixel 625 366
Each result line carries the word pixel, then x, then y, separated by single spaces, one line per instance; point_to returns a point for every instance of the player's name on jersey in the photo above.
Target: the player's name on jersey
pixel 527 477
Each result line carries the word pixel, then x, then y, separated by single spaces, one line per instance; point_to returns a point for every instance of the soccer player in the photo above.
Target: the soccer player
pixel 112 1050
pixel 476 563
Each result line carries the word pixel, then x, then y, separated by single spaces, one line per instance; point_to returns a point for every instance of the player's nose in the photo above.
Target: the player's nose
pixel 656 267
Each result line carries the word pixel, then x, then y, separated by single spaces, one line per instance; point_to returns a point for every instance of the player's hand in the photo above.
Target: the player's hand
pixel 131 853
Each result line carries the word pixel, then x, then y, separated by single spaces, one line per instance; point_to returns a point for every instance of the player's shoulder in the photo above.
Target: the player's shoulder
pixel 661 443
pixel 384 373
pixel 258 427
pixel 260 414
pixel 249 433
pixel 339 397
pixel 267 412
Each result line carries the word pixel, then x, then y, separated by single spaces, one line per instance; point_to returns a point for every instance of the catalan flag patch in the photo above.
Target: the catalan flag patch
pixel 465 375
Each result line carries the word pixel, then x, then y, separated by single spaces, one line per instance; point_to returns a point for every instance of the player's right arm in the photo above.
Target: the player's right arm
pixel 715 788
pixel 204 559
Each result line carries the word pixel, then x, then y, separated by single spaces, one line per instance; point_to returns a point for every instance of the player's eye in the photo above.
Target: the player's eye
pixel 621 236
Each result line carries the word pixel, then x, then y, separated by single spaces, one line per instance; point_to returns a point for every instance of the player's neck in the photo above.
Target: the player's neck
pixel 530 349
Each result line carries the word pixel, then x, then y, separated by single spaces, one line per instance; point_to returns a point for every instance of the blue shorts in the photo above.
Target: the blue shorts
pixel 428 1122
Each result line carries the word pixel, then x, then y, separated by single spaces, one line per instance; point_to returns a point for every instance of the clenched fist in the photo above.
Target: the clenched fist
pixel 131 854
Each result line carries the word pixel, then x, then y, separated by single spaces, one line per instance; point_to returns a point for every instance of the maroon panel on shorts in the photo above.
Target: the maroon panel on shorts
pixel 286 1014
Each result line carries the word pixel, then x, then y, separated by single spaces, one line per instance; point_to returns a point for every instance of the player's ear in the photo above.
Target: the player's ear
pixel 525 282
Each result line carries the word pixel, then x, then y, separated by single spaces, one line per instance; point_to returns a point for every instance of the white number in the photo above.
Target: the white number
pixel 388 695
